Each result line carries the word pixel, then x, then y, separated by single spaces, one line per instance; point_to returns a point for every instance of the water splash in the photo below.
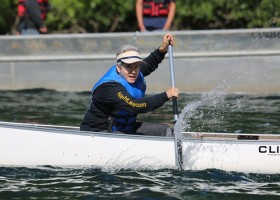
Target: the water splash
pixel 194 110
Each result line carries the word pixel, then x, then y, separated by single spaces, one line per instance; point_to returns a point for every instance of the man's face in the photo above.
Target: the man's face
pixel 129 72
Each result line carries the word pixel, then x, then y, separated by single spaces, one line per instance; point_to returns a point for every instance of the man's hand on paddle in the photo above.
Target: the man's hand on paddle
pixel 172 92
pixel 166 40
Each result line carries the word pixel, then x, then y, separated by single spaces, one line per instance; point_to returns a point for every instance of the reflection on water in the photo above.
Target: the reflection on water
pixel 210 112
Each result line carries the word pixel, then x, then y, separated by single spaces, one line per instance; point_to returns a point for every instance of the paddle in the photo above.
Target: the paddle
pixel 172 77
pixel 178 142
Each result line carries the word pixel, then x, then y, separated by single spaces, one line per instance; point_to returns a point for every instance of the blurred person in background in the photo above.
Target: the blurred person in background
pixel 32 14
pixel 155 14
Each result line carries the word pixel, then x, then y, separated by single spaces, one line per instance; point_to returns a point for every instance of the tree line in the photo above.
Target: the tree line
pixel 92 16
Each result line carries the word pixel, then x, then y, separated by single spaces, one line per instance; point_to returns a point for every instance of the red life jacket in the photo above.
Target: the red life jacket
pixel 43 6
pixel 155 8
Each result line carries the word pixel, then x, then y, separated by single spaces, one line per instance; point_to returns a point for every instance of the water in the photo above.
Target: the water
pixel 53 183
pixel 211 112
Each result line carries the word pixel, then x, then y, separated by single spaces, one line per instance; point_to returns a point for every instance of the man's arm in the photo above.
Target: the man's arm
pixel 153 60
pixel 116 95
pixel 157 56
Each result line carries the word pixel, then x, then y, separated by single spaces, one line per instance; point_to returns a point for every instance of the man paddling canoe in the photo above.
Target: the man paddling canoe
pixel 119 96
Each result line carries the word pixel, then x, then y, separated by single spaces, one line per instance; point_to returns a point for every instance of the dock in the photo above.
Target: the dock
pixel 234 61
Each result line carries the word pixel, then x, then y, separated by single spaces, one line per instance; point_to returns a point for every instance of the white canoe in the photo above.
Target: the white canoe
pixel 32 145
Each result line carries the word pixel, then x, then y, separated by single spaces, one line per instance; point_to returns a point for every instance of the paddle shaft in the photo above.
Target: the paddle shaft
pixel 172 77
pixel 177 141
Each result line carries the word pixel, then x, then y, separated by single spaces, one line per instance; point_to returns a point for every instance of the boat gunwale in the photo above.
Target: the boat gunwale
pixel 186 136
pixel 250 138
pixel 75 131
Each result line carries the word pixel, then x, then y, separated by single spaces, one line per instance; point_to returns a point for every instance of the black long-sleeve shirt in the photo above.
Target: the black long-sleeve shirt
pixel 111 97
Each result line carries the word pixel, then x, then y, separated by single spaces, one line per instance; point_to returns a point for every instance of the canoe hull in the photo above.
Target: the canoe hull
pixel 32 147
pixel 36 145
pixel 239 156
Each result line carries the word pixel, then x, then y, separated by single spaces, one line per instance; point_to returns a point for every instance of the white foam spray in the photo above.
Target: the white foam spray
pixel 192 110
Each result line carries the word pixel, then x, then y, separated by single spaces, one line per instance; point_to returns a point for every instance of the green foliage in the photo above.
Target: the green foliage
pixel 7 16
pixel 88 16
pixel 91 15
pixel 269 13
pixel 218 14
